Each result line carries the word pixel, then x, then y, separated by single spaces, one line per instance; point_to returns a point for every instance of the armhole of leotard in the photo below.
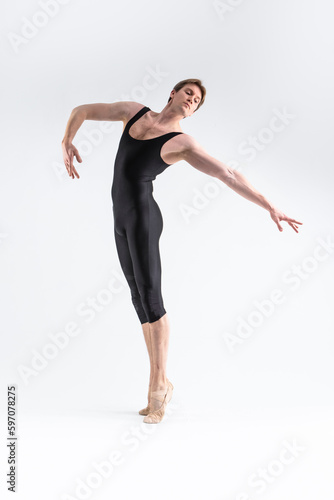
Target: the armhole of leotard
pixel 133 120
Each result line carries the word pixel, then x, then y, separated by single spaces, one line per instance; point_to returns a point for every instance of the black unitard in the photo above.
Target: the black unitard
pixel 138 221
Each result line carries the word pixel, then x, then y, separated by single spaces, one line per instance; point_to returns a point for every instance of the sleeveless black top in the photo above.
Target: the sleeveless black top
pixel 137 164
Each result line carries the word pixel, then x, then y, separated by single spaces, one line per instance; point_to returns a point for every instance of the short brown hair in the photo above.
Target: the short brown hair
pixel 197 82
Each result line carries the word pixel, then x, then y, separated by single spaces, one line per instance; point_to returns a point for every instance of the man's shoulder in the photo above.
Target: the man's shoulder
pixel 187 141
pixel 131 108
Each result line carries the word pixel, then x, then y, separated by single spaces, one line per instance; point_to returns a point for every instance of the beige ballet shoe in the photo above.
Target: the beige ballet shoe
pixel 154 417
pixel 146 411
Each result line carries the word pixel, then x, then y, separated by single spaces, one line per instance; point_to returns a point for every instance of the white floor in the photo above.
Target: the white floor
pixel 272 455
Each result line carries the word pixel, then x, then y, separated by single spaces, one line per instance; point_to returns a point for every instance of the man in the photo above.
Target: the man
pixel 149 144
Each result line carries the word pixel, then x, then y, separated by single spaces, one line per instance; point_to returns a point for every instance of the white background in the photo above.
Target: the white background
pixel 57 247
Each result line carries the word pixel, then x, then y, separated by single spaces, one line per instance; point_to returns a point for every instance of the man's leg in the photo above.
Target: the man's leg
pixel 160 330
pixel 143 232
pixel 159 337
pixel 147 336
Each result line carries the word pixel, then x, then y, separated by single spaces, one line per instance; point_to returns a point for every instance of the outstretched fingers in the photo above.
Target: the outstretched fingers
pixel 279 216
pixel 70 167
pixel 294 226
pixel 292 222
pixel 69 151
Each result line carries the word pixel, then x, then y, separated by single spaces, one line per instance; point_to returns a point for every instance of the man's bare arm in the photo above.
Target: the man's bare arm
pixel 116 111
pixel 196 156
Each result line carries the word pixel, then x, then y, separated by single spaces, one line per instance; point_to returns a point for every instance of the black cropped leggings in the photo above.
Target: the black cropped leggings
pixel 137 233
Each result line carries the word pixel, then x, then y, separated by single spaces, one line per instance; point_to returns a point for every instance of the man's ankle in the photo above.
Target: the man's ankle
pixel 159 384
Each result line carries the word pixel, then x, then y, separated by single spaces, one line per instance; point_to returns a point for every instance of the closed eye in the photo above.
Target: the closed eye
pixel 190 94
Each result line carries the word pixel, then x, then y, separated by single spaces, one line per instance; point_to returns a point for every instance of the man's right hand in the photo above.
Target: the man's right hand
pixel 69 151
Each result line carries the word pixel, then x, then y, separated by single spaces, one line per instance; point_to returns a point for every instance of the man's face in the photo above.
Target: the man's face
pixel 187 98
